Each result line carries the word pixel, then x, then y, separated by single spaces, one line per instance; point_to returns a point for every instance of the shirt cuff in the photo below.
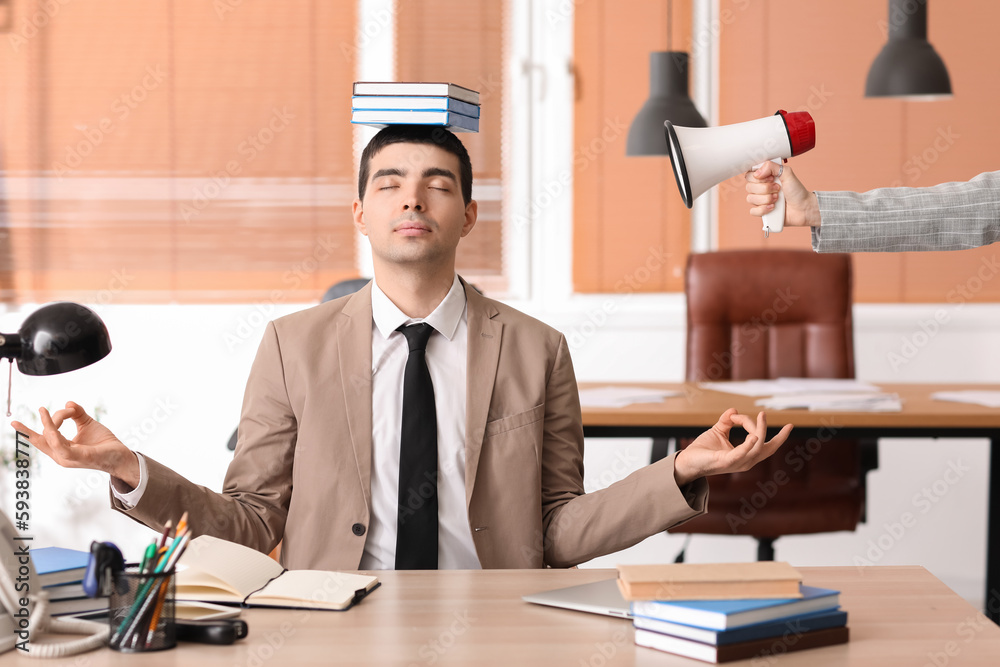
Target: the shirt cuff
pixel 131 498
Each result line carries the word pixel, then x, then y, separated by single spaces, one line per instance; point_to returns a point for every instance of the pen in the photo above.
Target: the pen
pixel 147 558
pixel 143 598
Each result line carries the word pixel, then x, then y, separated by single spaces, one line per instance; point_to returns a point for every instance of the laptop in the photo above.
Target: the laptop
pixel 599 597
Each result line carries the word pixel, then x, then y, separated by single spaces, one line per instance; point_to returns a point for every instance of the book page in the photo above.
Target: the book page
pixel 314 588
pixel 241 568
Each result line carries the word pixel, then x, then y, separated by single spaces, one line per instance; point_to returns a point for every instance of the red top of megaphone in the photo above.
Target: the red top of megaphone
pixel 801 130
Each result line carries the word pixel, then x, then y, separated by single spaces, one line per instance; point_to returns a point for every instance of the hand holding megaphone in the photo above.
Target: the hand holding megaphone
pixel 704 157
pixel 801 205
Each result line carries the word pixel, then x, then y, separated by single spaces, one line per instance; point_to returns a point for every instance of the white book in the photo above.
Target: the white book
pixel 424 88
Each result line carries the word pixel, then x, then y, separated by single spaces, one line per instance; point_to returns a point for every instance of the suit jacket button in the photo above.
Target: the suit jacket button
pixel 358 529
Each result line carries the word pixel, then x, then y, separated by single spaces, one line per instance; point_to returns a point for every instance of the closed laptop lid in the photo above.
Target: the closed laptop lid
pixel 599 597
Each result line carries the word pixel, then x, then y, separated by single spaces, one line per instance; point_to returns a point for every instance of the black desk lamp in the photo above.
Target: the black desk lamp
pixel 908 66
pixel 57 338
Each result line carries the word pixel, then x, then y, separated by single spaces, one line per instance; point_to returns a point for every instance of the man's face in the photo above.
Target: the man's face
pixel 413 212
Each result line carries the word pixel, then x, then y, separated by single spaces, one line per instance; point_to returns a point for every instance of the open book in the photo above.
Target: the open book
pixel 214 570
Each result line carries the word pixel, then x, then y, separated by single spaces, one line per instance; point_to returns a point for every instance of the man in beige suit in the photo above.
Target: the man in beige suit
pixel 318 455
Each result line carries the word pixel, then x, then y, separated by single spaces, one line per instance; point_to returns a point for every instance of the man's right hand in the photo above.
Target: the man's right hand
pixel 801 205
pixel 94 447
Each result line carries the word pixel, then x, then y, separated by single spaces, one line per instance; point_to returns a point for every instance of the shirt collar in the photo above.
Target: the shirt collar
pixel 444 319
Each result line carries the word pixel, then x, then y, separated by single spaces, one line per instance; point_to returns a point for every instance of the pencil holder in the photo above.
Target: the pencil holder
pixel 141 611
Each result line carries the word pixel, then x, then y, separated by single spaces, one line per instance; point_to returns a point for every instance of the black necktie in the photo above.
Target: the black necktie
pixel 417 517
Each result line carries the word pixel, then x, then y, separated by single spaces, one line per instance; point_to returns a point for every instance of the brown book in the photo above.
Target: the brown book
pixel 709 581
pixel 758 648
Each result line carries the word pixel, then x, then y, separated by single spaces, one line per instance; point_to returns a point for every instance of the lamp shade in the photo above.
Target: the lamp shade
pixel 908 66
pixel 668 100
pixel 57 338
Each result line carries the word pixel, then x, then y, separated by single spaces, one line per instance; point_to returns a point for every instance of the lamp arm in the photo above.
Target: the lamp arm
pixel 10 346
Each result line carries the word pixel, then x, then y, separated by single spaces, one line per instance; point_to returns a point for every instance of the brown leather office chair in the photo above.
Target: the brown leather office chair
pixel 754 314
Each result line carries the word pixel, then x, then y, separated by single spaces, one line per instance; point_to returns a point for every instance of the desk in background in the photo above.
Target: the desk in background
pixel 921 417
pixel 898 616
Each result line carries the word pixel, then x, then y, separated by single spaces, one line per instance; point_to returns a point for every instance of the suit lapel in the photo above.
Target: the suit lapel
pixel 483 355
pixel 354 336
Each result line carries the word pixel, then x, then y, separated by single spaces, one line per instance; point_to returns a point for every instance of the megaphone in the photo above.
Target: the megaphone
pixel 703 157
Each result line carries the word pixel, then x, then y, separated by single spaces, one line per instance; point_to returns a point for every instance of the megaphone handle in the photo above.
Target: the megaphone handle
pixel 775 220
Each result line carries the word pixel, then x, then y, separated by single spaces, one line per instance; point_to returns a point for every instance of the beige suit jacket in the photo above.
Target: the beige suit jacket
pixel 302 469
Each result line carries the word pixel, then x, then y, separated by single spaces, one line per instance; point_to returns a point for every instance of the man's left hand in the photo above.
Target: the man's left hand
pixel 712 454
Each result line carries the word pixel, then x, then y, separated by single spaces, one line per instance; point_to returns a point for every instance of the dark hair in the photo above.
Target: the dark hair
pixel 418 134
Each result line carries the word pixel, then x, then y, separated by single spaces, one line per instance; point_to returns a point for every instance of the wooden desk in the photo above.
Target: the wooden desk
pixel 898 616
pixel 921 417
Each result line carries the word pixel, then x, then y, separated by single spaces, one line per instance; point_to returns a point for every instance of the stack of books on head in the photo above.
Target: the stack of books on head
pixel 730 611
pixel 415 103
pixel 60 574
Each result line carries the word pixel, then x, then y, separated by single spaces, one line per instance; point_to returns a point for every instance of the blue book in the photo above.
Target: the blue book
pixel 383 117
pixel 56 565
pixel 414 103
pixel 796 624
pixel 727 614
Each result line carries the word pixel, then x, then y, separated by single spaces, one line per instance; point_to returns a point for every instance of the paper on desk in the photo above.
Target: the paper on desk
pixel 619 397
pixel 990 399
pixel 789 386
pixel 846 402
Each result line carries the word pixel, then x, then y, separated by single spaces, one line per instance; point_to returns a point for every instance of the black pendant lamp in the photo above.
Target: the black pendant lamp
pixel 57 338
pixel 908 66
pixel 668 100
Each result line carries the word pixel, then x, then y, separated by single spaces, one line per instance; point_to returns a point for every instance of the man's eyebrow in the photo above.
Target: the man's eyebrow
pixel 394 171
pixel 438 171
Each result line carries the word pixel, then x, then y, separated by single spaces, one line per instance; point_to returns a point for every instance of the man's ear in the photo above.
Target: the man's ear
pixel 471 215
pixel 359 217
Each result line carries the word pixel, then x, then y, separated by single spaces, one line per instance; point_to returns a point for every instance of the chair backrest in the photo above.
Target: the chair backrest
pixel 343 288
pixel 762 314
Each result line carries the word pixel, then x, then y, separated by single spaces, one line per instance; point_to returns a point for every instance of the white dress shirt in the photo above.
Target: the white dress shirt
pixel 447 363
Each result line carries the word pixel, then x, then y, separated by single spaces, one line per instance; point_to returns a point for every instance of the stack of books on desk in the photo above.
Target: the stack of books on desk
pixel 415 103
pixel 717 629
pixel 60 573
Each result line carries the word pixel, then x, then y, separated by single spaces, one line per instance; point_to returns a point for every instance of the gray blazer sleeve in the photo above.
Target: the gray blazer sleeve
pixel 949 216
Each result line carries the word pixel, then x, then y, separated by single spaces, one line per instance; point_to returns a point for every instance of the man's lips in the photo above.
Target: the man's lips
pixel 412 228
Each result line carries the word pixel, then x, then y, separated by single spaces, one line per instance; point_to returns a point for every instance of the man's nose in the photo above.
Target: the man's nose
pixel 413 200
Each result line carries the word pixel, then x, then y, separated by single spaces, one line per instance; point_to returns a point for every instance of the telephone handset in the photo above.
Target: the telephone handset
pixel 31 620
